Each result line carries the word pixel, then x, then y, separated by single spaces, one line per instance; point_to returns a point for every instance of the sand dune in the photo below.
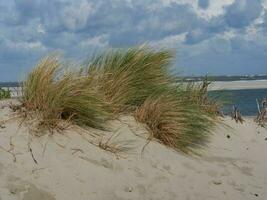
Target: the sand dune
pixel 69 167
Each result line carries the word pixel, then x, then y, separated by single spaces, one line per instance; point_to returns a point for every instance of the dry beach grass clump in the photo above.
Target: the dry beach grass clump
pixel 137 81
pixel 261 118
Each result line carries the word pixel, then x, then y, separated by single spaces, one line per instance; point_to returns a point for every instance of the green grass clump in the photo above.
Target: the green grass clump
pixel 128 77
pixel 176 120
pixel 56 95
pixel 181 115
pixel 137 81
pixel 5 94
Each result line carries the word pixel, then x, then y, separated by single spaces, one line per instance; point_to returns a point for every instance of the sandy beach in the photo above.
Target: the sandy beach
pixel 68 166
pixel 238 85
pixel 133 100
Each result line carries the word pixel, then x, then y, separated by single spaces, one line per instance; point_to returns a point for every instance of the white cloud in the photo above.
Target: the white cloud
pixel 215 8
pixel 98 41
pixel 173 41
pixel 77 14
pixel 25 45
pixel 40 29
pixel 29 29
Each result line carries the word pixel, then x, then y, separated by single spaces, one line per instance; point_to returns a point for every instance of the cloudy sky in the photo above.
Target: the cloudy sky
pixel 213 37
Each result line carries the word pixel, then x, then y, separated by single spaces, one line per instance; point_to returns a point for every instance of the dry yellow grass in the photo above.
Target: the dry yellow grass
pixel 57 95
pixel 175 121
pixel 136 81
pixel 128 77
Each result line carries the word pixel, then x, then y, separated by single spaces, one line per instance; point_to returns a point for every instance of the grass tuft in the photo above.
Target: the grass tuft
pixel 176 121
pixel 140 80
pixel 127 77
pixel 136 81
pixel 57 95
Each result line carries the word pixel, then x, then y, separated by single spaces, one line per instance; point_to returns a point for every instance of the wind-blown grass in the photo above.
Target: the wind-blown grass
pixel 176 120
pixel 179 115
pixel 137 81
pixel 56 95
pixel 128 77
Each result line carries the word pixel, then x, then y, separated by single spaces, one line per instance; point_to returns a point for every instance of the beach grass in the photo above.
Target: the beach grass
pixel 56 94
pixel 179 119
pixel 140 80
pixel 137 81
pixel 127 77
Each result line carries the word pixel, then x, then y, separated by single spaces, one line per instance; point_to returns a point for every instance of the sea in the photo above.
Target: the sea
pixel 245 100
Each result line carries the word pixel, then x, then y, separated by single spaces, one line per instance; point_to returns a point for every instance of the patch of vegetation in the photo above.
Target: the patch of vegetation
pixel 127 77
pixel 5 94
pixel 54 95
pixel 182 118
pixel 261 118
pixel 138 81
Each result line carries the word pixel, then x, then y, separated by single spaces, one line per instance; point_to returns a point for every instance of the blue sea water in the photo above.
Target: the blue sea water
pixel 244 99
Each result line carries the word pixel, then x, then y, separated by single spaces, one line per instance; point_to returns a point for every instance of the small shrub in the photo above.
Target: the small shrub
pixel 5 94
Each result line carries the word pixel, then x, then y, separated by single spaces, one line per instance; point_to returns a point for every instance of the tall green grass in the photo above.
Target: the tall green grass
pixel 177 119
pixel 137 81
pixel 180 115
pixel 128 77
pixel 57 95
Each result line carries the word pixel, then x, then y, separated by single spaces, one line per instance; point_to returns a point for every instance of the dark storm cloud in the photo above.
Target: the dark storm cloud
pixel 242 12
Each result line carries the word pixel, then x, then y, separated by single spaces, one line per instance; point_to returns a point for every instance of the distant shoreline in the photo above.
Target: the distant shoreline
pixel 215 85
pixel 238 85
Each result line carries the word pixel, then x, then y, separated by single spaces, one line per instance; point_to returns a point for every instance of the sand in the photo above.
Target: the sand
pixel 69 167
pixel 238 85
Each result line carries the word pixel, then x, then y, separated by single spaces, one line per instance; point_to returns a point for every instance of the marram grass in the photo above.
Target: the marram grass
pixel 127 77
pixel 137 81
pixel 176 121
pixel 57 95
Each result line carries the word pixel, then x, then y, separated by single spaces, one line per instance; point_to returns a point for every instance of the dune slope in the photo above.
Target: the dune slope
pixel 69 167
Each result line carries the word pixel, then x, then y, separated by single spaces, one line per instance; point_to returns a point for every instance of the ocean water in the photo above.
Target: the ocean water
pixel 245 100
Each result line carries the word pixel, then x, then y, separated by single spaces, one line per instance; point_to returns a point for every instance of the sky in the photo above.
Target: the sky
pixel 213 37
